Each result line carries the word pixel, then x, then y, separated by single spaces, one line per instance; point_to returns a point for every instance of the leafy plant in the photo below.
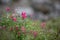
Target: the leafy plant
pixel 13 27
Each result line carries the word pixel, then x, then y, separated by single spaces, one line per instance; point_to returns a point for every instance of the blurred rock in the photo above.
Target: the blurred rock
pixel 0 2
pixel 8 2
pixel 15 0
pixel 44 6
pixel 28 10
pixel 57 7
pixel 42 9
pixel 40 16
pixel 21 6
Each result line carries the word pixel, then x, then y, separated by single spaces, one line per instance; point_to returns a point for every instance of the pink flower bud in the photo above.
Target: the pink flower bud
pixel 23 29
pixel 24 15
pixel 7 9
pixel 35 33
pixel 43 24
pixel 14 19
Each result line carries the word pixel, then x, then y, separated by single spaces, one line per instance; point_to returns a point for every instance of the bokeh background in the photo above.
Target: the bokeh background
pixel 44 26
pixel 40 9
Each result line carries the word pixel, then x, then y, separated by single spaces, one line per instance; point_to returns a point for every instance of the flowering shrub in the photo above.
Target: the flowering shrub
pixel 23 28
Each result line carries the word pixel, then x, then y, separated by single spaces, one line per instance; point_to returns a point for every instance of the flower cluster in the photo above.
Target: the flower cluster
pixel 20 29
pixel 24 15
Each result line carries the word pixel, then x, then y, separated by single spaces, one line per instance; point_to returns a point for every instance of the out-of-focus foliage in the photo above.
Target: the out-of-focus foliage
pixel 27 29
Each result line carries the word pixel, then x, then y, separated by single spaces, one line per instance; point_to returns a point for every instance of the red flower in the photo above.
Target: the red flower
pixel 7 9
pixel 18 33
pixel 24 15
pixel 11 29
pixel 14 19
pixel 43 24
pixel 23 29
pixel 16 28
pixel 35 33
